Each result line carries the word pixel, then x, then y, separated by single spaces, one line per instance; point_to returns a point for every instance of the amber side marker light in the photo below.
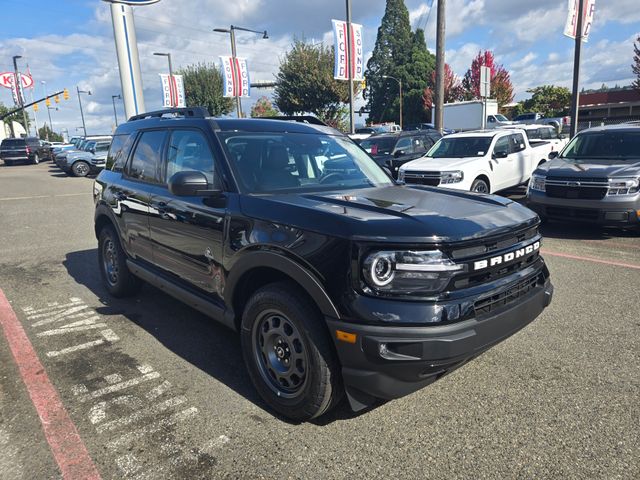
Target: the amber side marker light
pixel 346 336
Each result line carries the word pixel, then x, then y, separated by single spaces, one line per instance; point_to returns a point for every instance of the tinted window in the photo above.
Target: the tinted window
pixel 403 144
pixel 517 142
pixel 145 162
pixel 378 145
pixel 119 152
pixel 502 145
pixel 614 145
pixel 102 147
pixel 189 151
pixel 13 142
pixel 460 147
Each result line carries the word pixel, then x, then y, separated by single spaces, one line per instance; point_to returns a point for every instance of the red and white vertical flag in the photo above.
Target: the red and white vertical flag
pixel 235 75
pixel 342 63
pixel 172 91
pixel 571 27
pixel 17 92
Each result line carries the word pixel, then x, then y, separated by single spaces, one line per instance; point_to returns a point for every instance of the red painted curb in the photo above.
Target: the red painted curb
pixel 62 435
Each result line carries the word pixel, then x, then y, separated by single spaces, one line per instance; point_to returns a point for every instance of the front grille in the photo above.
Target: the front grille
pixel 593 188
pixel 422 178
pixel 511 294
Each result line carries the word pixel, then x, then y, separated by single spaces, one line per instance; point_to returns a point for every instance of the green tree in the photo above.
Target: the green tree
pixel 203 87
pixel 549 100
pixel 46 133
pixel 636 63
pixel 263 108
pixel 416 74
pixel 305 84
pixel 390 57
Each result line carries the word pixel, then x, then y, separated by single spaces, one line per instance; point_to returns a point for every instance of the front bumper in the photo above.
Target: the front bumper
pixel 612 211
pixel 387 362
pixel 97 167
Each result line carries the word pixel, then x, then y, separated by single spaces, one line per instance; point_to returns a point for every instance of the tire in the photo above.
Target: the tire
pixel 288 353
pixel 36 159
pixel 8 163
pixel 80 169
pixel 117 277
pixel 480 186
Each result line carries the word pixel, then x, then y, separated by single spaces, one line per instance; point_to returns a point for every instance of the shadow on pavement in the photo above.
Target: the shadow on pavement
pixel 201 341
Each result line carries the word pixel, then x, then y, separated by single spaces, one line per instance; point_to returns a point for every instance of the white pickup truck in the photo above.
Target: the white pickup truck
pixel 482 161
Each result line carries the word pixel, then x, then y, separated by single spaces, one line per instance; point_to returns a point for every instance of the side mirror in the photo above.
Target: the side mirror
pixel 500 155
pixel 398 153
pixel 92 150
pixel 553 155
pixel 188 184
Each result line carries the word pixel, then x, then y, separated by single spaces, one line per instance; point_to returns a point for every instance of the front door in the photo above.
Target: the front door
pixel 502 164
pixel 521 159
pixel 187 232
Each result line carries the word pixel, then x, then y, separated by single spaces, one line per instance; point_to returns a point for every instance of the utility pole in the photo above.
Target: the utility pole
pixel 351 65
pixel 438 121
pixel 44 90
pixel 575 98
pixel 18 85
pixel 88 92
pixel 113 100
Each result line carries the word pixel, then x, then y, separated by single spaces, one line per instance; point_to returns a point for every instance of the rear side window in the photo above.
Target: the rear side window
pixel 119 152
pixel 517 142
pixel 13 142
pixel 146 160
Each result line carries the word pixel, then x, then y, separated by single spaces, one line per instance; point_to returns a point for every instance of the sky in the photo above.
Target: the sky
pixel 69 43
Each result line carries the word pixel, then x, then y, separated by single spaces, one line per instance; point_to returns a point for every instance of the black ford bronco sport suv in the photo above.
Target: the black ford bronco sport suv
pixel 338 279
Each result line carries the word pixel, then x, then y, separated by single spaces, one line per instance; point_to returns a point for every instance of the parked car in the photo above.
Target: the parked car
pixel 595 179
pixel 426 126
pixel 81 164
pixel 484 162
pixel 560 123
pixel 24 150
pixel 365 132
pixel 338 279
pixel 392 150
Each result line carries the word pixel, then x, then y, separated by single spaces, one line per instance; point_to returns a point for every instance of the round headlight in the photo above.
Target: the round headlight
pixel 381 271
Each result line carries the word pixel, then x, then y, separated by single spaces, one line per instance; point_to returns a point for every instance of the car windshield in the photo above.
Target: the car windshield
pixel 501 118
pixel 459 147
pixel 604 145
pixel 295 162
pixel 379 145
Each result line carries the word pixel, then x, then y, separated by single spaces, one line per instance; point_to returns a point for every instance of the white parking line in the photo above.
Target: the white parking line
pixel 119 386
pixel 33 197
pixel 140 414
pixel 52 306
pixel 58 316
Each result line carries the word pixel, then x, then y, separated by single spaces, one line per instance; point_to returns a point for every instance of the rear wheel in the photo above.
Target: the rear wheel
pixel 8 163
pixel 480 185
pixel 80 169
pixel 117 277
pixel 289 354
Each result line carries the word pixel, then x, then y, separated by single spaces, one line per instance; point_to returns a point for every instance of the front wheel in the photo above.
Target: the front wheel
pixel 36 159
pixel 288 353
pixel 80 169
pixel 480 186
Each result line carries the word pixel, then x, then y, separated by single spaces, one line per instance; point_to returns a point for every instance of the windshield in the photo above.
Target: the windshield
pixel 379 145
pixel 296 162
pixel 501 118
pixel 460 147
pixel 605 145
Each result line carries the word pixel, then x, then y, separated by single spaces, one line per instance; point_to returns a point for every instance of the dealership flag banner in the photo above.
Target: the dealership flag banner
pixel 235 75
pixel 172 90
pixel 340 71
pixel 571 26
pixel 18 92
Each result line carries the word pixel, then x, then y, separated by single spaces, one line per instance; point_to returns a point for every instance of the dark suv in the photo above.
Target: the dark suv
pixel 392 150
pixel 27 150
pixel 337 278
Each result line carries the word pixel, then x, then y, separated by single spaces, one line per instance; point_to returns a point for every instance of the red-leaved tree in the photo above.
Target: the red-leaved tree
pixel 501 86
pixel 453 90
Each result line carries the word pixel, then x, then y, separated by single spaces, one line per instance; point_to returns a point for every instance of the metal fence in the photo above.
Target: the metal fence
pixel 584 124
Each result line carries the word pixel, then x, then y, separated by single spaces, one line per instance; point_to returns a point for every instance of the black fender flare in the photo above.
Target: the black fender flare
pixel 103 210
pixel 286 265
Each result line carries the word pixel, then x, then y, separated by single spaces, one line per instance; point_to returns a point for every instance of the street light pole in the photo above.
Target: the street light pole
pixel 113 100
pixel 44 89
pixel 401 99
pixel 88 92
pixel 575 98
pixel 232 34
pixel 18 86
pixel 50 121
pixel 350 74
pixel 168 55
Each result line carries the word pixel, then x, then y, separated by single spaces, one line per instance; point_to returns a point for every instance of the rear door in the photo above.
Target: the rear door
pixel 141 175
pixel 187 232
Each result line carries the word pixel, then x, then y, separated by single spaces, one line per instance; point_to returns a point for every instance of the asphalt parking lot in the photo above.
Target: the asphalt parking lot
pixel 157 390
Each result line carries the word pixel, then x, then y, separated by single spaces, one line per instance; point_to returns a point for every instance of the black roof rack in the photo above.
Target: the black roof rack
pixel 298 118
pixel 194 112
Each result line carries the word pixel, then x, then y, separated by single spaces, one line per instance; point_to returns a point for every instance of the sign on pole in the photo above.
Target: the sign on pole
pixel 340 71
pixel 172 90
pixel 235 75
pixel 571 27
pixel 6 80
pixel 485 82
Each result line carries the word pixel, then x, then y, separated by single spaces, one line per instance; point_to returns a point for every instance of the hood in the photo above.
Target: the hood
pixel 438 164
pixel 560 167
pixel 394 214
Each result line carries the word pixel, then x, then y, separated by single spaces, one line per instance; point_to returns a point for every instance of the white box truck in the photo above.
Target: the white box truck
pixel 465 116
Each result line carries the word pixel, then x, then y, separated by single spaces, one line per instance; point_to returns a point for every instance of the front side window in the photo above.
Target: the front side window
pixel 189 151
pixel 502 146
pixel 145 163
pixel 296 162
